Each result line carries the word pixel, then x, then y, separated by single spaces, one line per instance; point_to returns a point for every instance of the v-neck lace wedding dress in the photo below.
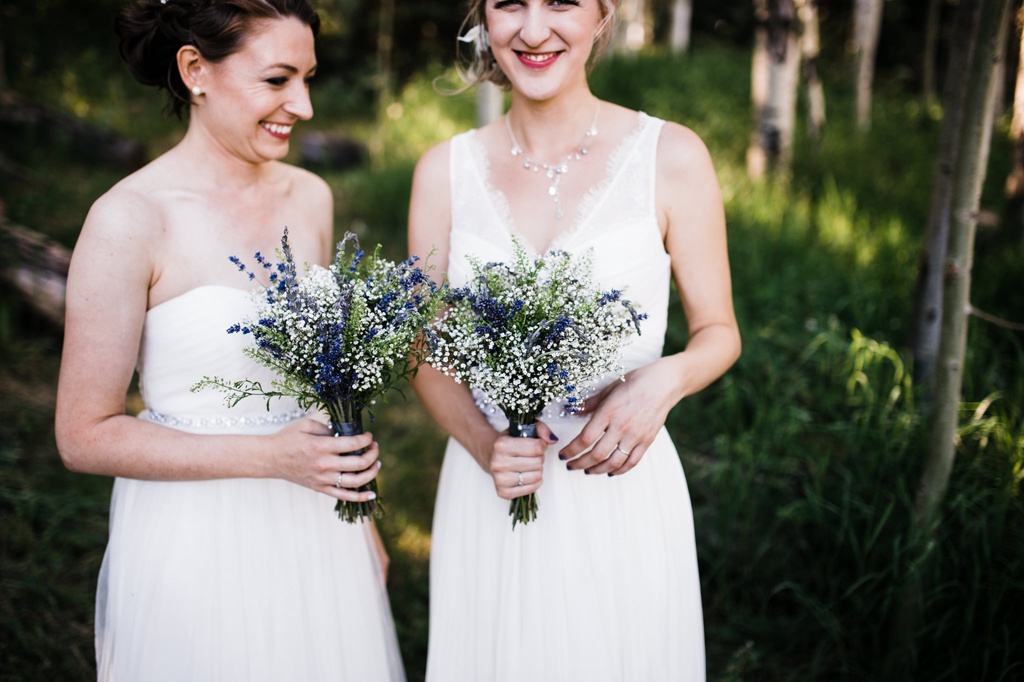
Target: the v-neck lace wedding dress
pixel 603 586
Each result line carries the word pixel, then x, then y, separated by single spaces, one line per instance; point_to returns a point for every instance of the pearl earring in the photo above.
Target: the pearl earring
pixel 196 90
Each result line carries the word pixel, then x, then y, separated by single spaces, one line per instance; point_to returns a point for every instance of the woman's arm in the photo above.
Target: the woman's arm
pixel 108 285
pixel 628 415
pixel 449 403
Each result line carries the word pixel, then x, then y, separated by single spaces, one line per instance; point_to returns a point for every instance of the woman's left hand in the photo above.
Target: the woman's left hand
pixel 625 419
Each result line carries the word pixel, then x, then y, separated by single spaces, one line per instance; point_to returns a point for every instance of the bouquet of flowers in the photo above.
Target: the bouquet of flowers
pixel 337 338
pixel 531 332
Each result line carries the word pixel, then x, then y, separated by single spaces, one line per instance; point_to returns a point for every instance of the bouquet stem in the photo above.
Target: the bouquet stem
pixel 523 509
pixel 349 422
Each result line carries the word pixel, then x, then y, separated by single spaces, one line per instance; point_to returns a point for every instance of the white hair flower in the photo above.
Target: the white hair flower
pixel 478 36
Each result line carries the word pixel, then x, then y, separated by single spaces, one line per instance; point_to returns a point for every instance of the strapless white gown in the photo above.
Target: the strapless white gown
pixel 603 586
pixel 234 580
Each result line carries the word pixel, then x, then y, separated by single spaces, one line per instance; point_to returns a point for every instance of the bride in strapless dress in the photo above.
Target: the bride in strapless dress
pixel 225 559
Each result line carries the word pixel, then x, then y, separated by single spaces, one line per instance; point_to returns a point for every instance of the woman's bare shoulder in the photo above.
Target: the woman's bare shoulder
pixel 681 151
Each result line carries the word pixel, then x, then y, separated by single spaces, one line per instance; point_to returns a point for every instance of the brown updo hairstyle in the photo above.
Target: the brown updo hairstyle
pixel 476 63
pixel 152 32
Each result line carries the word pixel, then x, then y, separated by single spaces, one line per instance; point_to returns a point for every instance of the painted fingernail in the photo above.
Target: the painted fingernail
pixel 610 474
pixel 371 496
pixel 554 438
pixel 586 472
pixel 562 457
pixel 569 467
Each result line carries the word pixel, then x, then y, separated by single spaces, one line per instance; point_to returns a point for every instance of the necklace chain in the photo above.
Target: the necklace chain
pixel 555 171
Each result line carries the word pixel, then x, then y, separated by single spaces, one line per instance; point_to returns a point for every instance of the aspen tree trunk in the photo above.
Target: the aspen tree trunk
pixel 785 51
pixel 975 140
pixel 682 16
pixel 1015 179
pixel 931 45
pixel 975 143
pixel 632 32
pixel 968 176
pixel 810 49
pixel 775 106
pixel 3 62
pixel 927 315
pixel 999 105
pixel 868 26
pixel 759 148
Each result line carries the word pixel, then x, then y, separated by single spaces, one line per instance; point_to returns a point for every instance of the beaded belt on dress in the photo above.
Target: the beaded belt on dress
pixel 224 422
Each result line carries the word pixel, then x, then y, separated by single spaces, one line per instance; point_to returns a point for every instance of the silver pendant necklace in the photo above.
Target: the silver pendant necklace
pixel 554 171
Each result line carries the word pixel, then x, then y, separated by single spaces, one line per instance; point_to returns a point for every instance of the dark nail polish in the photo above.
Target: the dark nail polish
pixel 610 474
pixel 554 438
pixel 586 472
pixel 568 467
pixel 562 457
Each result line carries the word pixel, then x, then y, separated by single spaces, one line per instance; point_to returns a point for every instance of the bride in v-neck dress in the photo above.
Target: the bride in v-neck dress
pixel 604 584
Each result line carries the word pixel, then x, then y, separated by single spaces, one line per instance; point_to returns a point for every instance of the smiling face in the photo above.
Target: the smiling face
pixel 254 97
pixel 543 46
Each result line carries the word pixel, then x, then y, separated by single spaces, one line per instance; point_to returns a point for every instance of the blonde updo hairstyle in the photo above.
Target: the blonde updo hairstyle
pixel 476 63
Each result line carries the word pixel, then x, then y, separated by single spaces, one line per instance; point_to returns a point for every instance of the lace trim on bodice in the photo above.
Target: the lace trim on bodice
pixel 586 209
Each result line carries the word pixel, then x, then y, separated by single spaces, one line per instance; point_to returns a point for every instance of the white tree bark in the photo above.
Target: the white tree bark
pixel 682 16
pixel 810 48
pixel 1015 180
pixel 931 46
pixel 927 315
pixel 632 33
pixel 867 27
pixel 760 85
pixel 975 142
pixel 785 82
pixel 775 78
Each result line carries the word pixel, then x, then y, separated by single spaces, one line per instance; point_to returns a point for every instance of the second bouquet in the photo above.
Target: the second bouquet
pixel 338 338
pixel 531 332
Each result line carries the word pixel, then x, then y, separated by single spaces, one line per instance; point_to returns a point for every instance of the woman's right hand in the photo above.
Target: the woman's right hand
pixel 307 453
pixel 517 464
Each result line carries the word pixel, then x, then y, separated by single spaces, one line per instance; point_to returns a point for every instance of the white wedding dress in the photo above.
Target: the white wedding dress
pixel 603 586
pixel 234 580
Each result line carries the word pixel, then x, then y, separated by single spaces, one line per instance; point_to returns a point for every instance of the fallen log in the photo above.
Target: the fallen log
pixel 23 119
pixel 37 267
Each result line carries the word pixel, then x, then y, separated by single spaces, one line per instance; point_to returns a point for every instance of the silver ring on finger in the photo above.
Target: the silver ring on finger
pixel 519 484
pixel 337 483
pixel 625 452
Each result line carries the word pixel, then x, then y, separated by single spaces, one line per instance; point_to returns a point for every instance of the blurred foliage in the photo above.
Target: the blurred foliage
pixel 802 461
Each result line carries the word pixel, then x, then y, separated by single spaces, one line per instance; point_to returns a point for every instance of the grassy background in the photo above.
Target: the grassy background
pixel 802 461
